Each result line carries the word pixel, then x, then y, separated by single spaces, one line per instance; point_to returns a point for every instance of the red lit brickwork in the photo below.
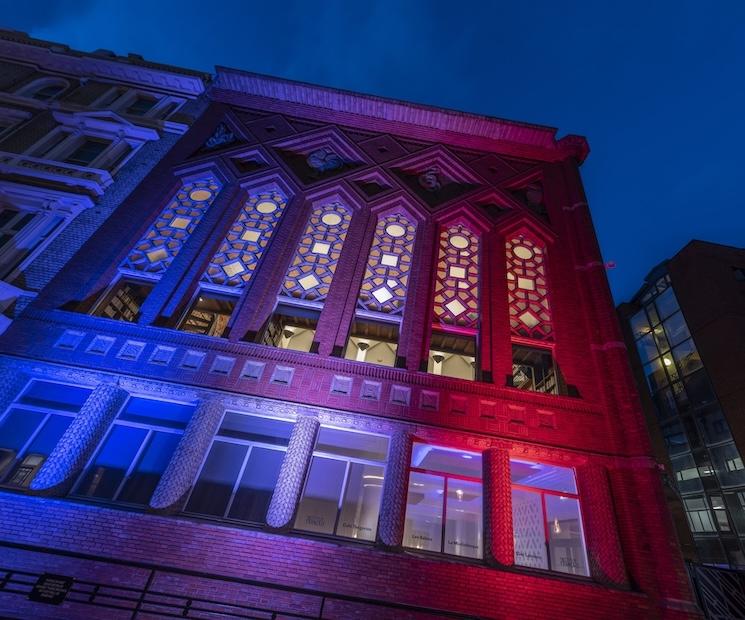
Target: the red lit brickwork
pixel 456 175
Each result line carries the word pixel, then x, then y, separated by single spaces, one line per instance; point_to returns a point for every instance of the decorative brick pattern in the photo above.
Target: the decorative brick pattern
pixel 182 470
pixel 11 384
pixel 393 503
pixel 292 473
pixel 79 440
pixel 498 548
pixel 601 531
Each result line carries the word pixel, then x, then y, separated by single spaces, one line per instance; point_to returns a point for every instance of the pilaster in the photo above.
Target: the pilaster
pixel 79 440
pixel 601 530
pixel 499 548
pixel 176 481
pixel 393 503
pixel 292 473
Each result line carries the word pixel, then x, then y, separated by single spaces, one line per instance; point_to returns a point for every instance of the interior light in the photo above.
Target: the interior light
pixel 466 456
pixel 557 527
pixel 372 477
pixel 459 493
pixel 666 361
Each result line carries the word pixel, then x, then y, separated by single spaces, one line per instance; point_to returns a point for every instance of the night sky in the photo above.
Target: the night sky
pixel 657 88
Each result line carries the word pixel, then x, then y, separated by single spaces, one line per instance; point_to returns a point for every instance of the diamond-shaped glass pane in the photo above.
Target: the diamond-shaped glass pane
pixel 382 294
pixel 455 307
pixel 321 248
pixel 180 222
pixel 526 283
pixel 308 281
pixel 155 255
pixel 390 260
pixel 529 318
pixel 234 268
pixel 251 235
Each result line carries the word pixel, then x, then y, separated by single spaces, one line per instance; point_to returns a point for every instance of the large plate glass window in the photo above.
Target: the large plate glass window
pixel 129 463
pixel 344 485
pixel 32 426
pixel 444 503
pixel 546 519
pixel 240 472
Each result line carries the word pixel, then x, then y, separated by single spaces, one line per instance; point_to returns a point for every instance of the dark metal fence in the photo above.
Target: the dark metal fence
pixel 720 591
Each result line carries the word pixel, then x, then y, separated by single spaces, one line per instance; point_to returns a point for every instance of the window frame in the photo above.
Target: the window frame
pixel 251 444
pixel 48 412
pixel 151 430
pixel 547 535
pixel 348 460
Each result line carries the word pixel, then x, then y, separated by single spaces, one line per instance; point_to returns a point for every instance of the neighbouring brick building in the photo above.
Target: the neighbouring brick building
pixel 78 131
pixel 336 357
pixel 686 328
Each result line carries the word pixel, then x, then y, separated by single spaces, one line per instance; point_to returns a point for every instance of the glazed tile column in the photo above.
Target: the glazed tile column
pixel 499 547
pixel 395 490
pixel 292 473
pixel 79 441
pixel 11 384
pixel 176 481
pixel 604 552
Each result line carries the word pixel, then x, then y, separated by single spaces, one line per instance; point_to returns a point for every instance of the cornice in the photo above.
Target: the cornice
pixel 59 59
pixel 450 126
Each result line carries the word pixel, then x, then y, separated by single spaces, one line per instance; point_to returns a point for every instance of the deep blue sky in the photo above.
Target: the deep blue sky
pixel 657 88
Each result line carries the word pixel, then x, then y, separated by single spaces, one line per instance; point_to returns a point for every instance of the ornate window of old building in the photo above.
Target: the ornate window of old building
pixel 134 454
pixel 23 233
pixel 234 264
pixel 308 279
pixel 344 485
pixel 33 425
pixel 533 364
pixel 444 501
pixel 455 328
pixel 45 89
pixel 240 472
pixel 155 251
pixel 380 303
pixel 546 518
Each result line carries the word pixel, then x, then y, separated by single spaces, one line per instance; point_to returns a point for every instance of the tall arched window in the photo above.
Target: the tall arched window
pixel 530 315
pixel 456 304
pixel 155 251
pixel 533 367
pixel 308 279
pixel 235 262
pixel 380 303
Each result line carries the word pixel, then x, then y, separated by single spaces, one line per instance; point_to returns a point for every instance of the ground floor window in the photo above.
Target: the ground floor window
pixel 344 485
pixel 33 426
pixel 444 502
pixel 131 459
pixel 546 520
pixel 240 472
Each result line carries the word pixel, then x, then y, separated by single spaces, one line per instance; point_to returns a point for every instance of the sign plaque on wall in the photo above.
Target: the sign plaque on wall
pixel 50 589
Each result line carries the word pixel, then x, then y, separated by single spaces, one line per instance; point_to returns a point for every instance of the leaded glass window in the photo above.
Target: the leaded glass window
pixel 248 237
pixel 457 284
pixel 530 315
pixel 387 274
pixel 163 241
pixel 312 269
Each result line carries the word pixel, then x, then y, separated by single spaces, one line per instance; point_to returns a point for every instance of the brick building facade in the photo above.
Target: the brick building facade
pixel 335 357
pixel 78 131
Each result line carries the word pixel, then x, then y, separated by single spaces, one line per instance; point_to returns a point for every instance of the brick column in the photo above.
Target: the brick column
pixel 292 473
pixel 604 552
pixel 11 384
pixel 499 546
pixel 395 488
pixel 79 440
pixel 182 469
